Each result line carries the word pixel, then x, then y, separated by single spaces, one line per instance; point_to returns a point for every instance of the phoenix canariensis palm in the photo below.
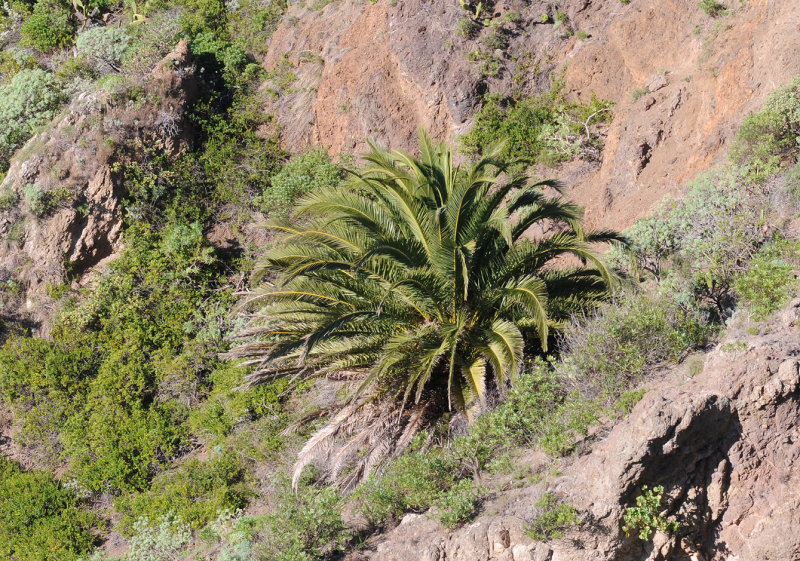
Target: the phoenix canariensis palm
pixel 421 281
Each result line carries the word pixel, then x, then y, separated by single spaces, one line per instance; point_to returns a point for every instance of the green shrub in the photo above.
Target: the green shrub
pixel 459 503
pixel 104 46
pixel 412 482
pixel 252 22
pixel 645 517
pixel 8 199
pixel 149 42
pixel 712 7
pixel 29 100
pixel 769 281
pixel 241 152
pixel 228 406
pixel 770 136
pixel 13 60
pixel 167 540
pixel 195 492
pixel 111 392
pixel 50 27
pixel 613 349
pixel 538 129
pixel 40 520
pixel 705 239
pixel 552 519
pixel 306 526
pixel 302 174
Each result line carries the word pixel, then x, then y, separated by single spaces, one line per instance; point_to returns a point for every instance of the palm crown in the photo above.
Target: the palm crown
pixel 421 279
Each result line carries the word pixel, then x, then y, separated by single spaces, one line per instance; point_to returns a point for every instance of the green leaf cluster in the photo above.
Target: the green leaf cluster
pixel 543 129
pixel 769 281
pixel 644 518
pixel 552 519
pixel 769 138
pixel 40 520
pixel 50 26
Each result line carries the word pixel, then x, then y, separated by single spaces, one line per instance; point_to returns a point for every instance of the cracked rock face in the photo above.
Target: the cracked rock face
pixel 725 445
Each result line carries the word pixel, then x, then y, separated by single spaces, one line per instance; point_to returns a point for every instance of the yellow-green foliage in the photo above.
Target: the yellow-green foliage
pixel 537 129
pixel 770 136
pixel 40 520
pixel 51 26
pixel 769 280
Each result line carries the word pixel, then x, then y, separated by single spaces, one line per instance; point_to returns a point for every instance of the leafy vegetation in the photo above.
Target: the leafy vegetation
pixel 28 101
pixel 429 306
pixel 768 138
pixel 40 519
pixel 644 518
pixel 538 129
pixel 50 26
pixel 769 281
pixel 553 518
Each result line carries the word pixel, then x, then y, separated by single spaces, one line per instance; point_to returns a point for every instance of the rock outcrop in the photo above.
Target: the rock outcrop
pixel 383 69
pixel 725 444
pixel 68 183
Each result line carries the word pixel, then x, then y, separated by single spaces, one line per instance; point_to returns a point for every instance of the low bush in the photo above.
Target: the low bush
pixel 552 519
pixel 769 137
pixel 50 27
pixel 412 482
pixel 196 491
pixel 644 518
pixel 40 520
pixel 704 239
pixel 712 7
pixel 163 540
pixel 538 129
pixel 302 174
pixel 306 526
pixel 104 47
pixel 29 100
pixel 613 349
pixel 459 504
pixel 770 279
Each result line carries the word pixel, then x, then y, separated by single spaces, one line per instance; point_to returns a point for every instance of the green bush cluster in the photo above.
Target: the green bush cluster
pixel 552 519
pixel 104 47
pixel 306 525
pixel 644 518
pixel 12 60
pixel 111 392
pixel 770 279
pixel 241 152
pixel 51 26
pixel 701 242
pixel 29 100
pixel 302 174
pixel 537 129
pixel 196 491
pixel 770 137
pixel 40 520
pixel 612 349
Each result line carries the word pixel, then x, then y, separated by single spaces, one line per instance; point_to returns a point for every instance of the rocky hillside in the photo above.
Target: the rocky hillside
pixel 180 382
pixel 724 441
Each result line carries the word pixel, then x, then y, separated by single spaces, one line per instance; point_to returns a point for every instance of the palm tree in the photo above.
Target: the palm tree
pixel 420 280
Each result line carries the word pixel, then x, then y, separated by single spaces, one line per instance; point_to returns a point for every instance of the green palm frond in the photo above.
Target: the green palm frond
pixel 425 280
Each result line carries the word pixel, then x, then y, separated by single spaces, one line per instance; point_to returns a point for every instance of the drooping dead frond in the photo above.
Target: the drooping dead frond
pixel 360 438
